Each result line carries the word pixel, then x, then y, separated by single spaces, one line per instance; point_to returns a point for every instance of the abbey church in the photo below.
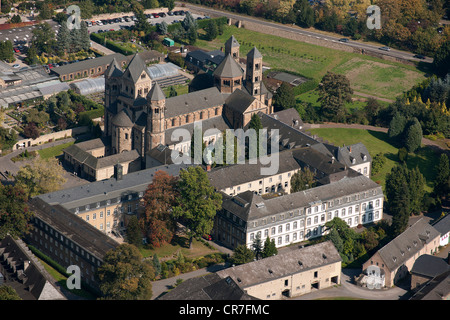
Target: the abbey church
pixel 139 120
pixel 138 115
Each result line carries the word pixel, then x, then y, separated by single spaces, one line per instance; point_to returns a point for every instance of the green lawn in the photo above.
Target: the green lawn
pixel 53 151
pixel 368 75
pixel 178 244
pixel 377 142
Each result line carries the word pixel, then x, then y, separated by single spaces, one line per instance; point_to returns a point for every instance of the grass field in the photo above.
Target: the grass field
pixel 381 78
pixel 179 244
pixel 378 142
pixel 53 151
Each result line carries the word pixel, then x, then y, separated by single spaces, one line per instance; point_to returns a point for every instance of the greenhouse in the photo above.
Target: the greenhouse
pixel 88 86
pixel 163 70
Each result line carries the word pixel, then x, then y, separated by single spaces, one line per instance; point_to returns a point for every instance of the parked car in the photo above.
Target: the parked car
pixel 170 13
pixel 343 40
pixel 385 48
pixel 16 66
pixel 419 56
pixel 156 16
pixel 16 50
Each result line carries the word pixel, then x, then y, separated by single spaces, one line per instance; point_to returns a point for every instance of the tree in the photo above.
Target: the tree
pixel 189 22
pixel 8 293
pixel 304 13
pixel 441 59
pixel 124 275
pixel 397 126
pixel 31 131
pixel 257 247
pixel 334 92
pixel 269 248
pixel 31 56
pixel 63 39
pixel 442 181
pixel 416 184
pixel 8 138
pixel 413 136
pixel 160 196
pixel 43 38
pixel 399 206
pixel 211 30
pixel 301 180
pixel 134 234
pixel 85 40
pixel 242 254
pixel 163 28
pixel 198 202
pixel 284 97
pixel 156 265
pixel 6 51
pixel 14 212
pixel 172 92
pixel 378 162
pixel 192 35
pixel 41 176
pixel 45 11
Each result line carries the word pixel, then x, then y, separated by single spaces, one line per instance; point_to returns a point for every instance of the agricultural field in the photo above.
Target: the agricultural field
pixel 369 75
pixel 378 142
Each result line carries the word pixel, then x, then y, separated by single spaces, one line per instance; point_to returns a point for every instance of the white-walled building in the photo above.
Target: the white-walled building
pixel 297 216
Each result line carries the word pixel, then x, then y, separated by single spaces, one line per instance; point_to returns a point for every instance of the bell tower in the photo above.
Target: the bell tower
pixel 253 74
pixel 156 107
pixel 232 48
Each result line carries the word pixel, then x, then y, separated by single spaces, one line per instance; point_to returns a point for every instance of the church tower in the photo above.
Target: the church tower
pixel 112 90
pixel 232 48
pixel 253 74
pixel 156 107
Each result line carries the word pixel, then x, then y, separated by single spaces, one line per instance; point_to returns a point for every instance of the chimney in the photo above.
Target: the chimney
pixel 208 167
pixel 118 171
pixel 350 149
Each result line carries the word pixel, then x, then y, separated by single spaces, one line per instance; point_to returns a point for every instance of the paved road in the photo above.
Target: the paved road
pixel 296 29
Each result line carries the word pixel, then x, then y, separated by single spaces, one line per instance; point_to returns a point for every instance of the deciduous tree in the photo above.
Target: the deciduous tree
pixel 14 212
pixel 198 202
pixel 124 275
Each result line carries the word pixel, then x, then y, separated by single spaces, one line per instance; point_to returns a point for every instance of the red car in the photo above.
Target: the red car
pixel 155 16
pixel 50 65
pixel 16 50
pixel 207 237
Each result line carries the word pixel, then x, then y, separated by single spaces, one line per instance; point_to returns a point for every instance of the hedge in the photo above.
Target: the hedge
pixel 95 113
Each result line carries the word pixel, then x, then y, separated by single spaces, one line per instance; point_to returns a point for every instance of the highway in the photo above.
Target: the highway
pixel 289 28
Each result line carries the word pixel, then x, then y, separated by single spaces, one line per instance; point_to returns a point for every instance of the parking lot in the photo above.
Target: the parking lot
pixel 114 24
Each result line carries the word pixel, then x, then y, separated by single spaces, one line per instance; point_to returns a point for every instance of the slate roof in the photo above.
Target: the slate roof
pixel 231 42
pixel 237 174
pixel 289 117
pixel 114 69
pixel 73 227
pixel 437 288
pixel 254 53
pixel 136 67
pixel 122 120
pixel 101 191
pixel 228 68
pixel 443 224
pixel 407 244
pixel 353 154
pixel 239 100
pixel 289 136
pixel 194 101
pixel 156 93
pixel 207 287
pixel 254 206
pixel 87 64
pixel 282 265
pixel 430 266
pixel 318 160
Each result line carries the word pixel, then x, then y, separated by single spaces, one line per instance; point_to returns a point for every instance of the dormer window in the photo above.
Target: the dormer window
pixel 143 76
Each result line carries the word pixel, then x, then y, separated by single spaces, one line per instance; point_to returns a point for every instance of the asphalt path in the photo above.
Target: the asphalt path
pixel 308 33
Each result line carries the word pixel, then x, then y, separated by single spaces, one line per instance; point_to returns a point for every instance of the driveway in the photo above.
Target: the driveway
pixel 350 290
